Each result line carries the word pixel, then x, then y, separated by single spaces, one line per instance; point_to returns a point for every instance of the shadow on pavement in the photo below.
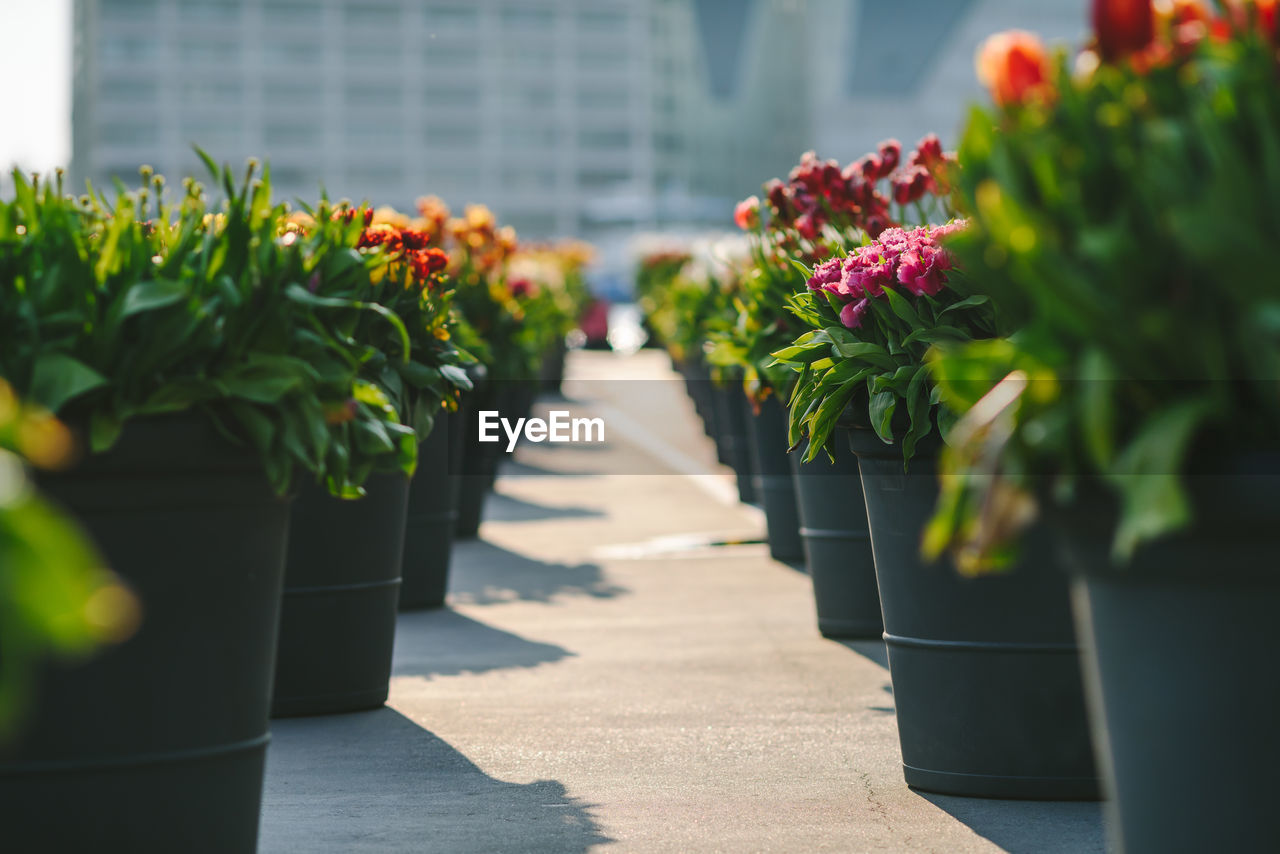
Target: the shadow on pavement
pixel 872 650
pixel 445 643
pixel 485 574
pixel 377 782
pixel 505 508
pixel 1029 827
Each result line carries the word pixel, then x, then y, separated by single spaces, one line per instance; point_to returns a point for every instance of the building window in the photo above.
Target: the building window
pixel 452 136
pixel 203 90
pixel 450 55
pixel 282 94
pixel 375 173
pixel 528 178
pixel 362 13
pixel 297 55
pixel 209 11
pixel 600 178
pixel 529 97
pixel 516 137
pixel 604 99
pixel 529 56
pixel 452 19
pixel 131 10
pixel 598 22
pixel 129 132
pixel 125 49
pixel 521 20
pixel 292 133
pixel 288 13
pixel 596 60
pixel 447 95
pixel 135 89
pixel 383 93
pixel 204 50
pixel 604 139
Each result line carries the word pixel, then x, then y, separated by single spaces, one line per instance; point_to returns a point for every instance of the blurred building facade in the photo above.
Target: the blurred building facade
pixel 565 116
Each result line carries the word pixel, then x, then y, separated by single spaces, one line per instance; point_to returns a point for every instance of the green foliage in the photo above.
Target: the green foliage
pixel 875 376
pixel 137 306
pixel 1129 224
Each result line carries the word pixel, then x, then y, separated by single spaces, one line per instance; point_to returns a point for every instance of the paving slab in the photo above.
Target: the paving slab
pixel 607 677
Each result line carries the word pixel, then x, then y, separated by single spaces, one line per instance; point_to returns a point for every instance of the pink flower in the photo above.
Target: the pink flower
pixel 851 314
pixel 825 274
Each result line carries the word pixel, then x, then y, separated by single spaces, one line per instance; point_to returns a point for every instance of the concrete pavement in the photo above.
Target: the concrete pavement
pixel 608 679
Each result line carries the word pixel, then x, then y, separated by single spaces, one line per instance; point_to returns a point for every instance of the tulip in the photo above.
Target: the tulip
pixel 851 314
pixel 1122 27
pixel 1013 66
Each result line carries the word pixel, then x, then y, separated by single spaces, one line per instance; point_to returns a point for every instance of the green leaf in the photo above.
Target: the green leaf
pixel 146 296
pixel 1147 474
pixel 58 378
pixel 457 376
pixel 902 308
pixel 881 410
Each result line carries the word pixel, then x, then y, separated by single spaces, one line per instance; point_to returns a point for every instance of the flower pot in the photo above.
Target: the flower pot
pixel 1180 649
pixel 158 744
pixel 479 463
pixel 342 588
pixel 729 402
pixel 837 545
pixel 551 371
pixel 697 382
pixel 773 481
pixel 431 518
pixel 986 672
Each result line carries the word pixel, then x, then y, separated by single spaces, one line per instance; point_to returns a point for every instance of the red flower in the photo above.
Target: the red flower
pixel 427 262
pixel 747 214
pixel 415 238
pixel 1014 66
pixel 380 235
pixel 1122 27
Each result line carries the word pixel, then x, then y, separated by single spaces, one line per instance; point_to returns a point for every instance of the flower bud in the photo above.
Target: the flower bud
pixel 1122 27
pixel 747 214
pixel 1013 66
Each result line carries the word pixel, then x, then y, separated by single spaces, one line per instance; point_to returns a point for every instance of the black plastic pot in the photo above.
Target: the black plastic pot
pixel 986 672
pixel 478 465
pixel 774 484
pixel 551 370
pixel 837 545
pixel 431 519
pixel 512 400
pixel 1180 650
pixel 730 403
pixel 158 744
pixel 342 588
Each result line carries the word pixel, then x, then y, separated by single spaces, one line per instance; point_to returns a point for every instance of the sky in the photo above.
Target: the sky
pixel 35 84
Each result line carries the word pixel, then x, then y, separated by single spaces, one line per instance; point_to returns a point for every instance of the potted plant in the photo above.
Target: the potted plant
pixel 195 367
pixel 1121 204
pixel 985 673
pixel 812 216
pixel 343 572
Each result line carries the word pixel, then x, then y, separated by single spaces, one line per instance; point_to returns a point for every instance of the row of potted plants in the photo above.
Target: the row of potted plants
pixel 254 403
pixel 1054 358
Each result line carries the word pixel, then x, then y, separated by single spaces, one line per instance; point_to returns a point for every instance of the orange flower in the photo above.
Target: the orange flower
pixel 1014 66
